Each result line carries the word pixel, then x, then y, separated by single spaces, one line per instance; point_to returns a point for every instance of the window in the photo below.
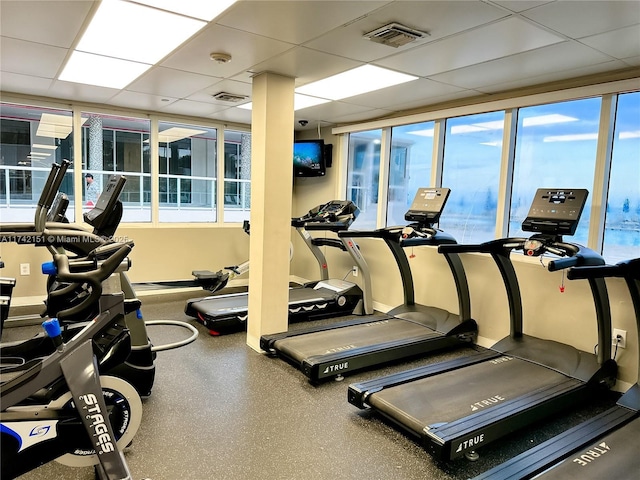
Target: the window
pixel 364 174
pixel 471 169
pixel 187 166
pixel 622 225
pixel 237 176
pixel 31 139
pixel 111 145
pixel 409 167
pixel 555 148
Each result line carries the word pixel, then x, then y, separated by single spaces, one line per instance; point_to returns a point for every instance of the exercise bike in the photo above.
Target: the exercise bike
pixel 58 407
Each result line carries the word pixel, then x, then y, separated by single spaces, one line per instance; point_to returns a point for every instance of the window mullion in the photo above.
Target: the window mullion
pixel 600 191
pixel 505 184
pixel 439 130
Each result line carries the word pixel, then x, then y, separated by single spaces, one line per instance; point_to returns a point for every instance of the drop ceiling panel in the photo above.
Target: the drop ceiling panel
pixel 360 117
pixel 621 43
pixel 580 19
pixel 51 23
pixel 188 107
pixel 245 48
pixel 555 58
pixel 521 5
pixel 306 65
pixel 331 110
pixel 141 101
pixel 454 95
pixel 439 19
pixel 81 92
pixel 26 84
pixel 415 91
pixel 555 75
pixel 295 22
pixel 499 39
pixel 44 60
pixel 172 83
pixel 235 115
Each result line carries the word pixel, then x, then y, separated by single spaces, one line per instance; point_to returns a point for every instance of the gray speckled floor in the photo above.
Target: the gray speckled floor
pixel 220 410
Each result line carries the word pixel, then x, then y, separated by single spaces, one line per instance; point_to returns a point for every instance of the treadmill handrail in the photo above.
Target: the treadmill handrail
pixel 392 237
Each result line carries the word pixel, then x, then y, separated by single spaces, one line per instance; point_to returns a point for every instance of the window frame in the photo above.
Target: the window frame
pixel 608 92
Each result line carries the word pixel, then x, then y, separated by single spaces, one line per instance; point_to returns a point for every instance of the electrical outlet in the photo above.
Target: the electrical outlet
pixel 354 270
pixel 25 269
pixel 619 338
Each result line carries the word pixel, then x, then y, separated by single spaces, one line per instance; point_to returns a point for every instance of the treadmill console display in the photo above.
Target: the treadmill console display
pixel 427 205
pixel 555 211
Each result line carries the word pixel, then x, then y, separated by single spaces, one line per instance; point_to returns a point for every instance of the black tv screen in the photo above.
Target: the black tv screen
pixel 308 158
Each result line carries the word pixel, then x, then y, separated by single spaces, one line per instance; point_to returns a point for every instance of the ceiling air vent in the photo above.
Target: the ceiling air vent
pixel 229 97
pixel 395 35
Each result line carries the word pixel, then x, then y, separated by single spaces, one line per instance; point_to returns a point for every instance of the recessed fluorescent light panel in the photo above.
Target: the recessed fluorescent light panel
pixel 357 81
pixel 122 31
pixel 135 32
pixel 299 102
pixel 101 71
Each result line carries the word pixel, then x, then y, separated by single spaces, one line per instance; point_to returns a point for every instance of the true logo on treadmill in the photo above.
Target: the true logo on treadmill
pixel 592 454
pixel 341 349
pixel 487 402
pixel 336 368
pixel 470 443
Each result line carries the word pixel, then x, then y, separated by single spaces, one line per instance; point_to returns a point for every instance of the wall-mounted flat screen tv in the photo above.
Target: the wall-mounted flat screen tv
pixel 309 158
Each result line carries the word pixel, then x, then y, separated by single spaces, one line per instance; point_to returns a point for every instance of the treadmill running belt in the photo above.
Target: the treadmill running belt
pixel 348 338
pixel 615 456
pixel 459 393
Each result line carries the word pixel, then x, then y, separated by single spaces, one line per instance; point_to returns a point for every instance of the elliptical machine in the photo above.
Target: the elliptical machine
pixel 57 407
pixel 61 237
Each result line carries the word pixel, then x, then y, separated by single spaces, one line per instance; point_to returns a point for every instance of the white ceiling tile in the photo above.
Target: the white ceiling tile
pixel 622 43
pixel 439 19
pixel 26 84
pixel 235 115
pixel 142 101
pixel 295 22
pixel 633 61
pixel 51 23
pixel 521 5
pixel 245 49
pixel 554 58
pixel 330 110
pixel 581 18
pixel 173 83
pixel 453 95
pixel 188 107
pixel 361 116
pixel 499 39
pixel 44 60
pixel 554 76
pixel 306 65
pixel 81 92
pixel 419 92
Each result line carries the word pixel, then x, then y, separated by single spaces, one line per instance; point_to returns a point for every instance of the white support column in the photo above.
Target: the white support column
pixel 503 208
pixel 271 198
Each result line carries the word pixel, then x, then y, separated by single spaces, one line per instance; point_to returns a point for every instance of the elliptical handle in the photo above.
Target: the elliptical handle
pixel 55 185
pixel 94 278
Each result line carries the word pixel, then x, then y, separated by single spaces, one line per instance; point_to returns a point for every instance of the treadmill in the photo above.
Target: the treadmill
pixel 410 330
pixel 327 297
pixel 456 407
pixel 605 446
